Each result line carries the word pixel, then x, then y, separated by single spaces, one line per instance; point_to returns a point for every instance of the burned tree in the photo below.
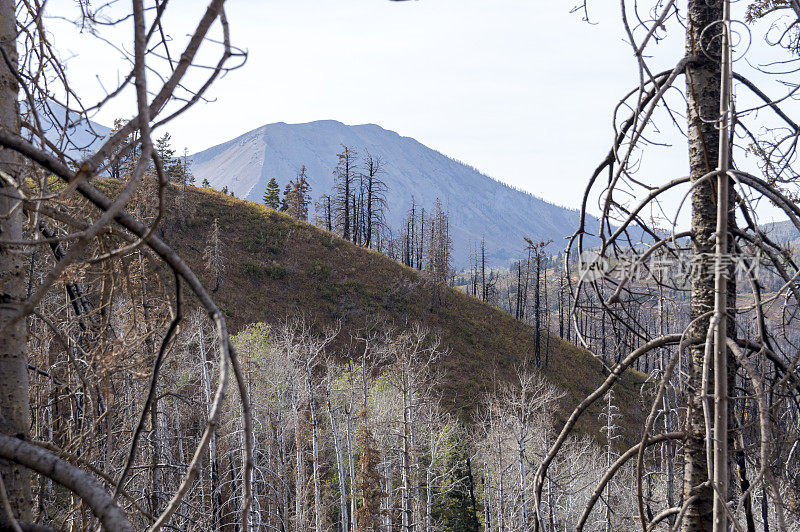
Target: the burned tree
pixel 103 255
pixel 345 175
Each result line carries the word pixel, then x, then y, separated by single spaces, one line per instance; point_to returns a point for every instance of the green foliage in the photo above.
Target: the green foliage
pixel 253 343
pixel 264 271
pixel 272 195
pixel 319 270
pixel 296 196
pixel 165 150
pixel 205 183
pixel 455 511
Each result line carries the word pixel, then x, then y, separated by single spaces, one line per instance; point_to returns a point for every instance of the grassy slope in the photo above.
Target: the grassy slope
pixel 277 267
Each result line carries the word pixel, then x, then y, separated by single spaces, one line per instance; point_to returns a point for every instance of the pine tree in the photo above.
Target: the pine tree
pixel 164 149
pixel 185 168
pixel 205 183
pixel 272 195
pixel 287 197
pixel 213 256
pixel 172 167
pixel 300 195
pixel 296 197
pixel 119 160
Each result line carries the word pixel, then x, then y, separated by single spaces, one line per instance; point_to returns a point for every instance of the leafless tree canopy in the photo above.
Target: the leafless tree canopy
pixel 97 368
pixel 685 278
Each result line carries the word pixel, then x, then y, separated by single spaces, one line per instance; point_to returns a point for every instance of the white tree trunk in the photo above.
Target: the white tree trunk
pixel 318 511
pixel 337 444
pixel 14 409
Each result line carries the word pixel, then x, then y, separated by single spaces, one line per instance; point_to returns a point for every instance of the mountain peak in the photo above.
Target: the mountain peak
pixel 480 207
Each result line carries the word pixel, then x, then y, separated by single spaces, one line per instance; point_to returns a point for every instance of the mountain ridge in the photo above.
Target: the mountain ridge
pixel 480 206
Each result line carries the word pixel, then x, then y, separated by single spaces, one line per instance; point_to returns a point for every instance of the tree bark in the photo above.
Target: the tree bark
pixel 318 511
pixel 14 406
pixel 703 100
pixel 337 445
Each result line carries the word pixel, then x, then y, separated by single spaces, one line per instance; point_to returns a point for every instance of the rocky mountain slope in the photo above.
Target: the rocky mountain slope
pixel 479 205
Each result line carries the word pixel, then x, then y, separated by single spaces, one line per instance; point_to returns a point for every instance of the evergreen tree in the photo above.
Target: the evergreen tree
pixel 300 195
pixel 164 149
pixel 205 183
pixel 184 168
pixel 296 197
pixel 119 162
pixel 272 195
pixel 166 153
pixel 287 197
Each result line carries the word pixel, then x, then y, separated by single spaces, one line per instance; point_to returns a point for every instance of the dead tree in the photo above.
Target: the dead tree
pixel 344 176
pixel 713 346
pixel 48 177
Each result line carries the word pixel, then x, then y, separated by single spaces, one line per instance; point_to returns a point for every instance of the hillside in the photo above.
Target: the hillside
pixel 479 205
pixel 278 267
pixel 783 232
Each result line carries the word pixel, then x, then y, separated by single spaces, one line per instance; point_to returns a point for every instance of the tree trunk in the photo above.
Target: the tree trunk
pixel 337 445
pixel 352 470
pixel 703 101
pixel 300 472
pixel 318 517
pixel 14 407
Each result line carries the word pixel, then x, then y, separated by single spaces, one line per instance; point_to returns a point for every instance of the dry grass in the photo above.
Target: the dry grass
pixel 278 267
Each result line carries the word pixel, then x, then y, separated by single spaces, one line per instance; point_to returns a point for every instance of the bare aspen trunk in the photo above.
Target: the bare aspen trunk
pixel 703 102
pixel 407 502
pixel 283 509
pixel 318 517
pixel 14 409
pixel 352 470
pixel 487 497
pixel 156 480
pixel 216 494
pixel 300 471
pixel 522 491
pixel 429 499
pixel 386 499
pixel 337 444
pixel 416 499
pixel 501 494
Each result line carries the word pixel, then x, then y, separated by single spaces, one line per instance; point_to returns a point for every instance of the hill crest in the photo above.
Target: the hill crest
pixel 480 206
pixel 277 267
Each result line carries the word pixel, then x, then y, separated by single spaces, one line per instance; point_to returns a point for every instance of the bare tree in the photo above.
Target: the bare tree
pixel 344 175
pixel 48 178
pixel 723 340
pixel 374 196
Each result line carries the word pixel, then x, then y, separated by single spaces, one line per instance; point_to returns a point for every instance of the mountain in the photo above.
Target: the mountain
pixel 783 232
pixel 81 137
pixel 479 205
pixel 276 267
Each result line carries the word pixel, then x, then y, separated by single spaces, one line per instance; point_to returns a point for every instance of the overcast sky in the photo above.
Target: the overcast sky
pixel 523 90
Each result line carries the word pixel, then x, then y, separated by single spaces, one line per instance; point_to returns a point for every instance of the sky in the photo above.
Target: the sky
pixel 523 90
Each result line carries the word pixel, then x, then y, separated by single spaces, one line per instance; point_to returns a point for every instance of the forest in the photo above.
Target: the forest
pixel 174 357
